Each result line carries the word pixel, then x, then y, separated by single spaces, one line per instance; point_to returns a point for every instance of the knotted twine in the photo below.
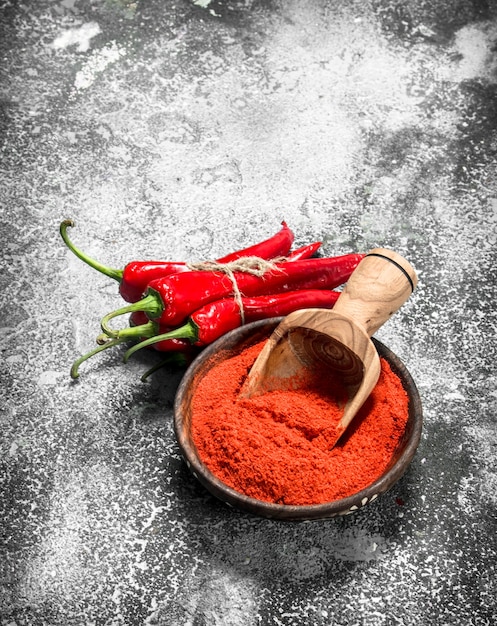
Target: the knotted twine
pixel 253 265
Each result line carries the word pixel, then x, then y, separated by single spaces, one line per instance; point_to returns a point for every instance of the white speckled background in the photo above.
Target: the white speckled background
pixel 184 130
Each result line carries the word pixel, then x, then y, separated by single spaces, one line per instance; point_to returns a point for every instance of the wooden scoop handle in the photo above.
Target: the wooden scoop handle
pixel 378 287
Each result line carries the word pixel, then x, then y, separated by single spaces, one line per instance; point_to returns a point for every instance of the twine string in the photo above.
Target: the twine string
pixel 253 265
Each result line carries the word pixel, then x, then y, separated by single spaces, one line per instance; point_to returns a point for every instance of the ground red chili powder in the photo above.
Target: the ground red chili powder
pixel 274 447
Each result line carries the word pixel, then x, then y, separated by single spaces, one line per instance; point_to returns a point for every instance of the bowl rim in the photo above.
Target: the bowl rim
pixel 273 510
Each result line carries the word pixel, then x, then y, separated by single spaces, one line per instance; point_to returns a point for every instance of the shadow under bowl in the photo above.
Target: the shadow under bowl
pixel 232 344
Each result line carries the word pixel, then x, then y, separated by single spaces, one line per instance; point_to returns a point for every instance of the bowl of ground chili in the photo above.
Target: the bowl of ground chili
pixel 267 455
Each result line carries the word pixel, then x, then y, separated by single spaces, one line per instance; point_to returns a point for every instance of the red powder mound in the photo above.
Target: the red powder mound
pixel 275 447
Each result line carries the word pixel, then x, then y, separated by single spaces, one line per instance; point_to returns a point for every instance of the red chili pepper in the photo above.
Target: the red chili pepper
pixel 136 275
pixel 217 318
pixel 170 300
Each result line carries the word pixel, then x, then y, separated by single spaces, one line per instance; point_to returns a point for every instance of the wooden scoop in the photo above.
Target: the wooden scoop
pixel 338 339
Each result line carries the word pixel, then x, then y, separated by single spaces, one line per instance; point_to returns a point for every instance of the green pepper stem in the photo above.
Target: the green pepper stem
pixel 108 271
pixel 85 357
pixel 188 331
pixel 143 330
pixel 149 304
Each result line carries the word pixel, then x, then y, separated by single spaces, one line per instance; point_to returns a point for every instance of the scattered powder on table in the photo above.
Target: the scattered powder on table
pixel 273 447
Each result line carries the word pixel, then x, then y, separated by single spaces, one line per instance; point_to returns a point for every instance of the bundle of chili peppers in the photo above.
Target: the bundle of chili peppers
pixel 177 308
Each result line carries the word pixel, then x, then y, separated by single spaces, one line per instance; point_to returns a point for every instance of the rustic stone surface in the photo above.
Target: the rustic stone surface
pixel 184 130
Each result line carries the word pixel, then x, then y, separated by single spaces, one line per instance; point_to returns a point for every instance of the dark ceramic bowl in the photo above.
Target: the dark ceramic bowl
pixel 233 343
